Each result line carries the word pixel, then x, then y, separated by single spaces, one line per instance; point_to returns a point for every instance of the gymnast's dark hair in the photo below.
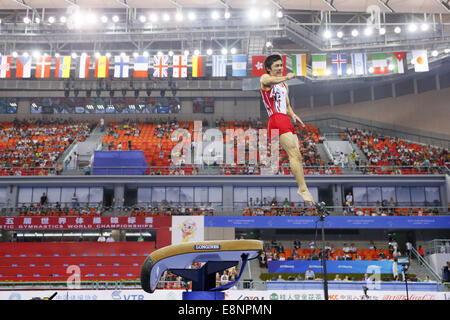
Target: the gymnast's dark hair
pixel 271 59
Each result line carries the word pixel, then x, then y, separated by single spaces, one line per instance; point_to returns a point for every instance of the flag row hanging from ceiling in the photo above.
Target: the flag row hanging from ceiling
pixel 321 65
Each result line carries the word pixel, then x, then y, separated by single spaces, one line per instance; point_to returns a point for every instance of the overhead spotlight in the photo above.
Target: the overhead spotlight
pixel 279 14
pixel 339 34
pixel 115 19
pixel 382 31
pixel 159 54
pixel 397 30
pixel 104 19
pixel 215 15
pixel 170 53
pixel 227 14
pixel 111 93
pixel 135 54
pixel 26 20
pixel 434 53
pixel 192 16
pixel 209 52
pixel 355 33
pixel 224 51
pixel 266 14
pixel 84 54
pixel 74 55
pixel 124 92
pixel 57 55
pixel 153 17
pixel 412 27
pixel 269 44
pixel 233 51
pixel 142 19
pixel 368 31
pixel 149 92
pixel 424 26
pixel 179 16
pixel 196 52
pixel 349 71
pixel 253 14
pixel 37 20
pixel 163 92
pixel 108 55
pixel 166 17
pixel 25 54
pixel 14 54
pixel 97 54
pixel 371 70
pixel 327 34
pixel 328 72
pixel 36 54
pixel 186 52
pixel 123 54
pixel 145 54
pixel 63 19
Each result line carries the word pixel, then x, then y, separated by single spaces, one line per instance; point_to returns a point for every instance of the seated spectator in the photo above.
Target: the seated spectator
pixel 337 278
pixel 309 274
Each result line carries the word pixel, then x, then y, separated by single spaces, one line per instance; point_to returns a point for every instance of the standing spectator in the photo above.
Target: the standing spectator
pixel 408 248
pixel 101 238
pixel 44 200
pixel 119 146
pixel 446 272
pixel 442 248
pixel 110 238
pixel 421 253
pixel 395 270
pixel 224 278
pixel 349 199
pixel 74 200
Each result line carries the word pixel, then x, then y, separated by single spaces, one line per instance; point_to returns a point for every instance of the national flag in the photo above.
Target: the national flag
pixel 319 64
pixel 5 67
pixel 420 60
pixel 198 66
pixel 219 66
pixel 339 64
pixel 62 68
pixel 83 67
pixel 121 66
pixel 239 65
pixel 299 64
pixel 258 66
pixel 102 67
pixel 398 61
pixel 179 66
pixel 161 66
pixel 43 67
pixel 23 67
pixel 359 64
pixel 141 67
pixel 379 63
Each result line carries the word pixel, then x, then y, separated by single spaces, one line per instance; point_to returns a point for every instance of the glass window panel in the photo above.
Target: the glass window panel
pixel 432 195
pixel 3 196
pixel 360 195
pixel 403 196
pixel 200 194
pixel 418 195
pixel 95 195
pixel 83 194
pixel 186 194
pixel 268 193
pixel 315 193
pixel 67 194
pixel 215 194
pixel 173 194
pixel 144 195
pixel 240 195
pixel 158 194
pixel 373 195
pixel 25 195
pixel 254 193
pixel 37 193
pixel 54 195
pixel 294 196
pixel 387 193
pixel 282 193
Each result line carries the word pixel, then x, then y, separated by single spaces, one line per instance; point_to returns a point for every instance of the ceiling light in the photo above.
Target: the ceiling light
pixel 215 15
pixel 382 31
pixel 252 14
pixel 339 34
pixel 268 44
pixel 97 54
pixel 371 70
pixel 266 14
pixel 104 19
pixel 397 30
pixel 159 54
pixel 153 17
pixel 37 20
pixel 135 54
pixel 51 19
pixel 434 53
pixel 142 19
pixel 424 26
pixel 26 20
pixel 56 55
pixel 355 33
pixel 170 53
pixel 115 19
pixel 179 16
pixel 186 52
pixel 368 31
pixel 391 67
pixel 166 17
pixel 14 54
pixel 108 55
pixel 447 50
pixel 224 51
pixel 196 52
pixel 327 34
pixel 36 54
pixel 349 71
pixel 233 50
pixel 74 55
pixel 192 16
pixel 227 15
pixel 279 14
pixel 145 53
pixel 63 19
pixel 412 27
pixel 209 52
pixel 91 18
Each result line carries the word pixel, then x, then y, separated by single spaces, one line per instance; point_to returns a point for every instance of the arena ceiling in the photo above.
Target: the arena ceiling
pixel 398 6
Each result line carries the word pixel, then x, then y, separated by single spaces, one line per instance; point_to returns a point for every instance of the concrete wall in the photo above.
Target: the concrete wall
pixel 219 234
pixel 429 111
